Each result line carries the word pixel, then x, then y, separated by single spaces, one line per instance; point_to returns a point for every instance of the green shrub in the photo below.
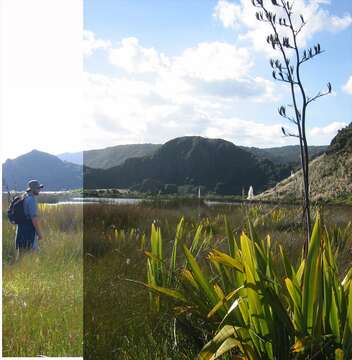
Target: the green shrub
pixel 255 304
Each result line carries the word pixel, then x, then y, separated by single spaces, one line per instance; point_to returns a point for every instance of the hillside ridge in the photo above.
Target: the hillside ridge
pixel 54 173
pixel 330 174
pixel 216 164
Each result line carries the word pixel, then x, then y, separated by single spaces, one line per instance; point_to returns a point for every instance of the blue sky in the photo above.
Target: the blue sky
pixel 159 69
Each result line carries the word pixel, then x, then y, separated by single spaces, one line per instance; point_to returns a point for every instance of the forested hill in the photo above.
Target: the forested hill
pixel 116 155
pixel 111 156
pixel 216 164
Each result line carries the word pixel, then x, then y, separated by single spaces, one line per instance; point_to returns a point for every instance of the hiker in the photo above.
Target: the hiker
pixel 28 231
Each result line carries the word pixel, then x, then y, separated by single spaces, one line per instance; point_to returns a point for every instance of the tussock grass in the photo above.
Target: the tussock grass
pixel 43 291
pixel 123 319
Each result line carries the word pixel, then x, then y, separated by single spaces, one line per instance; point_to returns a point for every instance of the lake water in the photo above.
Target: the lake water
pixel 121 201
pixel 54 199
pixel 95 200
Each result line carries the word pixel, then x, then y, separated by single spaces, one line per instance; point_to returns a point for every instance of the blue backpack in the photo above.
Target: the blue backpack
pixel 15 212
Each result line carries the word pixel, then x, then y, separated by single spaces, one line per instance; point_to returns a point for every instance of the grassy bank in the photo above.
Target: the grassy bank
pixel 42 292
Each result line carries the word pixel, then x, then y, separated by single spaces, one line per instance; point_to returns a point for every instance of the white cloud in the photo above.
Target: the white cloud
pixel 248 133
pixel 341 23
pixel 118 110
pixel 242 17
pixel 227 13
pixel 348 86
pixel 221 70
pixel 214 69
pixel 208 61
pixel 158 97
pixel 255 89
pixel 161 97
pixel 134 58
pixel 122 110
pixel 213 61
pixel 329 130
pixel 91 43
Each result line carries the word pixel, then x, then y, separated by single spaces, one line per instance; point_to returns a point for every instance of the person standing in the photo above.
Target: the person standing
pixel 28 233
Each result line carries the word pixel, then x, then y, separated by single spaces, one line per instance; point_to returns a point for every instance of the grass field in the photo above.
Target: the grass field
pixel 123 319
pixel 43 291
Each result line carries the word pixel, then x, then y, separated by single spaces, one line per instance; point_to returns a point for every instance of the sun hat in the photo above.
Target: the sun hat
pixel 34 185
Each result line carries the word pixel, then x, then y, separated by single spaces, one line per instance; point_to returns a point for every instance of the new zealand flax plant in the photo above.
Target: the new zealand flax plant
pixel 254 304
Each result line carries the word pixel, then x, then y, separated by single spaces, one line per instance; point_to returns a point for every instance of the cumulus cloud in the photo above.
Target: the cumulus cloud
pixel 348 86
pixel 122 110
pixel 248 133
pixel 228 13
pixel 340 23
pixel 213 61
pixel 157 97
pixel 254 133
pixel 208 61
pixel 329 130
pixel 215 69
pixel 257 89
pixel 91 43
pixel 241 15
pixel 324 135
pixel 134 58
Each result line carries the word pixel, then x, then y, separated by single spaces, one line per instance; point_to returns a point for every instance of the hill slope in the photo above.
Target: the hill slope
pixel 214 163
pixel 116 155
pixel 110 156
pixel 286 154
pixel 54 173
pixel 330 174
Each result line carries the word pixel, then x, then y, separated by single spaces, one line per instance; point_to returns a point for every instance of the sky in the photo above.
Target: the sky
pixel 155 70
pixel 152 70
pixel 41 76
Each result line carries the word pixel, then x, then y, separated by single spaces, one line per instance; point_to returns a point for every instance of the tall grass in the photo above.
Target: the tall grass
pixel 118 321
pixel 42 292
pixel 128 318
pixel 173 282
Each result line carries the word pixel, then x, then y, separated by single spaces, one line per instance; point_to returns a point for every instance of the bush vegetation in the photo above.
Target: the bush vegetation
pixel 152 279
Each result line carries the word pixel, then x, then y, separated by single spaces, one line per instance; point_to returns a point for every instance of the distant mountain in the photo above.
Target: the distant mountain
pixel 74 157
pixel 330 174
pixel 286 154
pixel 54 173
pixel 110 156
pixel 216 164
